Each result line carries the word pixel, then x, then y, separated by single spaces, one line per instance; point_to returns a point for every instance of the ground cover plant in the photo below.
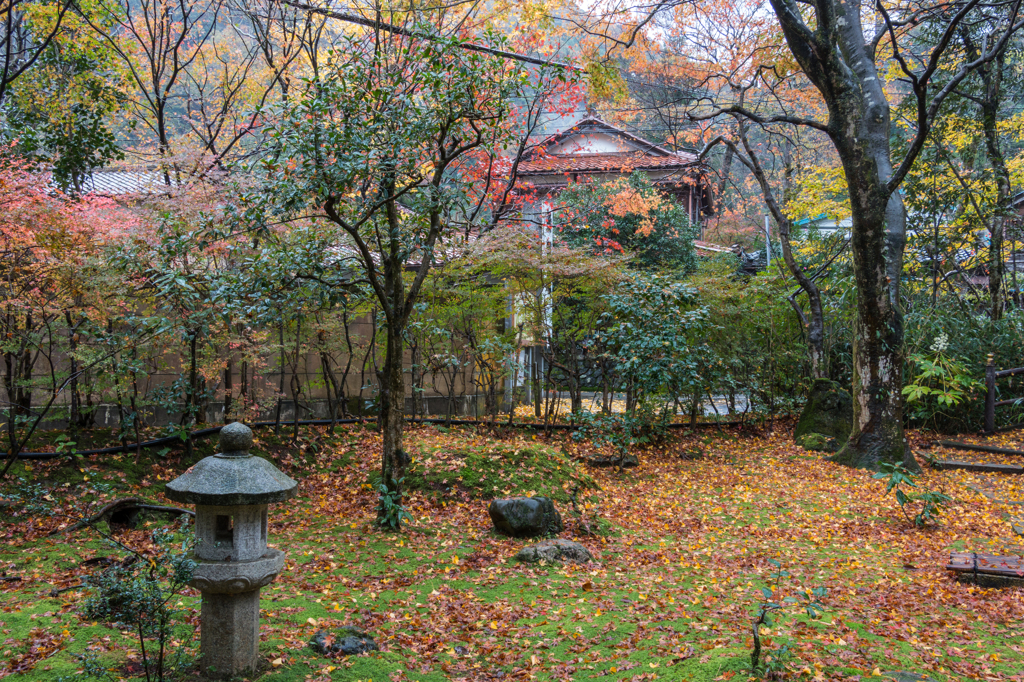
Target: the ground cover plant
pixel 673 594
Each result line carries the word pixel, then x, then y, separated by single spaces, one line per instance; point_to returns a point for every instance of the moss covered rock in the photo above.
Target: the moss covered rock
pixel 485 468
pixel 525 517
pixel 829 413
pixel 348 641
pixel 817 442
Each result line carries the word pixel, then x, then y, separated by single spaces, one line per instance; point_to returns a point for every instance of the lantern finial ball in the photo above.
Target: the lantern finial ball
pixel 235 438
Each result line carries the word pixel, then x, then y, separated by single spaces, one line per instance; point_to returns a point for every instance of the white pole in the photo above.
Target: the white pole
pixel 767 242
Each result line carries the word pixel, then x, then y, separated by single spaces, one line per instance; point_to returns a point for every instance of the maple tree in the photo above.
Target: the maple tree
pixel 51 248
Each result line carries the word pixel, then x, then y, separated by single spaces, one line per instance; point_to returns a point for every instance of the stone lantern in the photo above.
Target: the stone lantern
pixel 231 491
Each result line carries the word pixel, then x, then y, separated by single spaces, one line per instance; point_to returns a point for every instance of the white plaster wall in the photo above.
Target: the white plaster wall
pixel 592 143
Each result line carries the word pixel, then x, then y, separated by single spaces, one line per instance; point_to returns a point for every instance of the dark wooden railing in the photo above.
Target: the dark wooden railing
pixel 990 392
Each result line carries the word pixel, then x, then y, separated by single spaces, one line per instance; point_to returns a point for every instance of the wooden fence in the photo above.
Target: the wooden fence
pixel 990 392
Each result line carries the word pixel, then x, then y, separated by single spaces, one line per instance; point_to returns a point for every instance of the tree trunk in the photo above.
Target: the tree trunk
pixel 229 390
pixel 842 66
pixel 392 412
pixel 73 417
pixel 878 237
pixel 992 79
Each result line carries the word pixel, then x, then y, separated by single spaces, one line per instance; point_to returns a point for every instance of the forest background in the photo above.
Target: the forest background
pixel 279 254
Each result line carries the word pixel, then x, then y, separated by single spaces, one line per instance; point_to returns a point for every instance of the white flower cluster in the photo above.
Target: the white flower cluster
pixel 941 343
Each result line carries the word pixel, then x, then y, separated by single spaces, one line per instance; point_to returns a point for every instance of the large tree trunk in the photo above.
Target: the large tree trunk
pixel 842 66
pixel 877 242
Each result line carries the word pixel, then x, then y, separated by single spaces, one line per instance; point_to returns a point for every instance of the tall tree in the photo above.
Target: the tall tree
pixel 848 63
pixel 389 149
pixel 27 27
pixel 157 41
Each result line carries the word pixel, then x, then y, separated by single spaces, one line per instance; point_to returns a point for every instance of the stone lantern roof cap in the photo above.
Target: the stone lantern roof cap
pixel 232 477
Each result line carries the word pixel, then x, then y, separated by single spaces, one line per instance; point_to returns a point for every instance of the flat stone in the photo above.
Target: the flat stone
pixel 988 580
pixel 347 641
pixel 524 517
pixel 904 676
pixel 978 466
pixel 235 577
pixel 555 551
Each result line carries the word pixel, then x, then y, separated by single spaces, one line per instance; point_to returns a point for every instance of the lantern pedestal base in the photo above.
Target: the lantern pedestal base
pixel 230 638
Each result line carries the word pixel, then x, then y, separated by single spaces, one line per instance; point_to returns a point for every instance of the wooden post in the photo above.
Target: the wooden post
pixel 990 394
pixel 228 390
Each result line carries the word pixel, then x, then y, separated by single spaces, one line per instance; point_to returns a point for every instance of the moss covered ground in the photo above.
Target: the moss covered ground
pixel 672 596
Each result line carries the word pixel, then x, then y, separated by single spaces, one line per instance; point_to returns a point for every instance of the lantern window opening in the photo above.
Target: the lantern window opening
pixel 263 527
pixel 224 533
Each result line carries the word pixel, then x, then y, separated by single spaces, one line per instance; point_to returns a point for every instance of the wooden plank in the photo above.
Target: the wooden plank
pixel 975 466
pixel 957 445
pixel 988 564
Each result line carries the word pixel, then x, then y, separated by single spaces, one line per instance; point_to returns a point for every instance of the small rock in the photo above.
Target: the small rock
pixel 555 551
pixel 627 462
pixel 348 641
pixel 525 517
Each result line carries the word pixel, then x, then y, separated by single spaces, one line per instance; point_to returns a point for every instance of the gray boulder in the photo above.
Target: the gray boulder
pixel 555 551
pixel 829 413
pixel 348 641
pixel 525 517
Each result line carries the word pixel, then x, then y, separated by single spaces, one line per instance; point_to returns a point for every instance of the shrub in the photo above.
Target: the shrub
pixel 957 371
pixel 391 513
pixel 930 501
pixel 141 595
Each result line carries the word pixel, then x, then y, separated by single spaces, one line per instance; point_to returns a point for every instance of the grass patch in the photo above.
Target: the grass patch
pixel 672 597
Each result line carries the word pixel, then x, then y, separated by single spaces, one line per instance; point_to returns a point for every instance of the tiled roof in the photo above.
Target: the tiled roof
pixel 592 124
pixel 645 156
pixel 711 248
pixel 590 163
pixel 110 182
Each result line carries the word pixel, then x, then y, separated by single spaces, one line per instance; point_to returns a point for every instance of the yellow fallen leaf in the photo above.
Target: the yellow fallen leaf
pixel 277 663
pixel 311 621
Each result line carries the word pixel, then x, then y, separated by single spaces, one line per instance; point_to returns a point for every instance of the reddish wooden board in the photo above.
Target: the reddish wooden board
pixel 987 564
